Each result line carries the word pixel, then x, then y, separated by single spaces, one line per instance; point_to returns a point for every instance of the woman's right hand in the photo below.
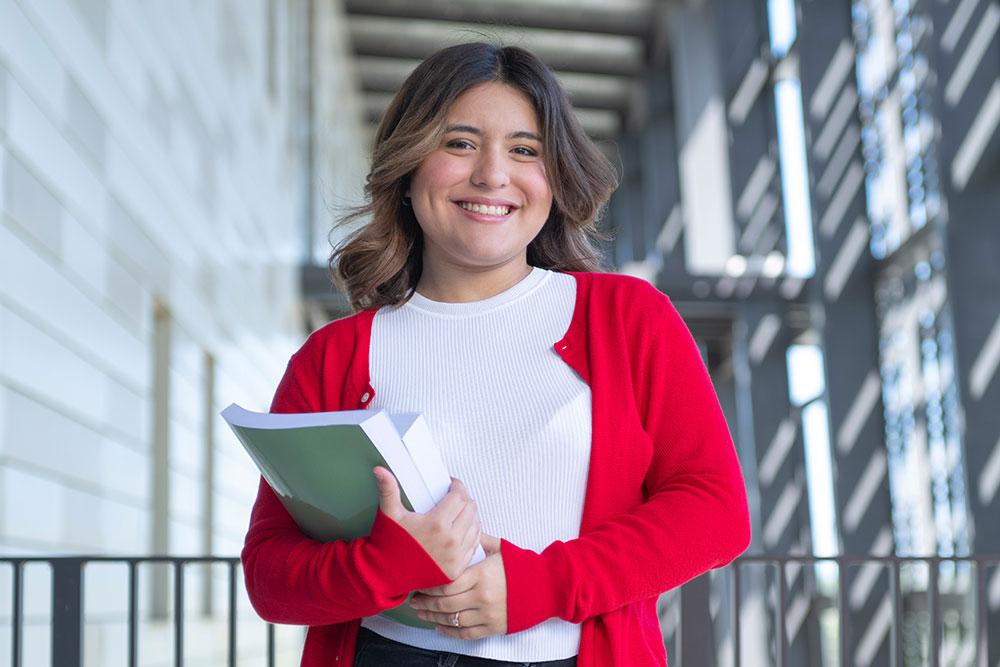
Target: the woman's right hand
pixel 449 533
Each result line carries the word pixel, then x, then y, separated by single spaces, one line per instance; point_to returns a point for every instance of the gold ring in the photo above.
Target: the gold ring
pixel 455 621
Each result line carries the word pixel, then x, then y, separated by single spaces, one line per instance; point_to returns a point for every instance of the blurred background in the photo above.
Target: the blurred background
pixel 815 184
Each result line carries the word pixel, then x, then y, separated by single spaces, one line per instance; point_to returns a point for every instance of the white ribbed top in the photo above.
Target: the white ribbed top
pixel 512 421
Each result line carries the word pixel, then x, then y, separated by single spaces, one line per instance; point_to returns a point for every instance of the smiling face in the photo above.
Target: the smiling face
pixel 482 195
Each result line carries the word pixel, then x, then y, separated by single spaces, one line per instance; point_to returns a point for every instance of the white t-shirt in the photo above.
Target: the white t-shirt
pixel 512 421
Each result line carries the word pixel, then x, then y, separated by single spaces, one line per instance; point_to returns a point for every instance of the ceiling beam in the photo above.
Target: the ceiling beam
pixel 595 91
pixel 621 17
pixel 563 50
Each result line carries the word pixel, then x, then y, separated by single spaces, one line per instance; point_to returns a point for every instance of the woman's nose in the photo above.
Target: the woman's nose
pixel 490 170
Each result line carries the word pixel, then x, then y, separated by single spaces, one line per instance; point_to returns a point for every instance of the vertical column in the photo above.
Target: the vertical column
pixel 702 138
pixel 779 462
pixel 780 465
pixel 659 159
pixel 649 191
pixel 844 298
pixel 750 112
pixel 757 626
pixel 965 52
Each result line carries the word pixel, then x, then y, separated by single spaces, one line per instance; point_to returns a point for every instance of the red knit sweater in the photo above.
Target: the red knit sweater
pixel 665 499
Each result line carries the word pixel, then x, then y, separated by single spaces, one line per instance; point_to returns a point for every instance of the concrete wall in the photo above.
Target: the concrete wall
pixel 152 160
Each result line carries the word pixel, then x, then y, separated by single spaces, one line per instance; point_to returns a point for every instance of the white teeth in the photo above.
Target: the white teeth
pixel 488 210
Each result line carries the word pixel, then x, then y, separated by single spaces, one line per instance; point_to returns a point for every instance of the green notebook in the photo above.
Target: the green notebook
pixel 320 466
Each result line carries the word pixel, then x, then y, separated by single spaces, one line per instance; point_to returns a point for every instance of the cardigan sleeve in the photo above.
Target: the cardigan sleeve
pixel 694 516
pixel 293 579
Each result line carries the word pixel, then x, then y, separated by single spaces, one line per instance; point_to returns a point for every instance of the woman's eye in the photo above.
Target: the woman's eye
pixel 524 150
pixel 458 143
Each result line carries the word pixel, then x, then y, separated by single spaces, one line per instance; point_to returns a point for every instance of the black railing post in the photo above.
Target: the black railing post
pixel 843 630
pixel 67 612
pixel 695 638
pixel 982 638
pixel 232 615
pixel 133 614
pixel 737 600
pixel 179 613
pixel 934 613
pixel 17 615
pixel 896 591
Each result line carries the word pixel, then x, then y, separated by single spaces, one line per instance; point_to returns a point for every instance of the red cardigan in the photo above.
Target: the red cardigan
pixel 665 499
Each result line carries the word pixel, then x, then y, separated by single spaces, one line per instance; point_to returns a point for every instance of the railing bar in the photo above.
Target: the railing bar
pixel 861 559
pixel 178 613
pixel 935 614
pixel 736 613
pixel 133 614
pixel 67 612
pixel 232 614
pixel 49 560
pixel 780 621
pixel 15 644
pixel 896 590
pixel 804 559
pixel 270 645
pixel 678 609
pixel 844 628
pixel 982 639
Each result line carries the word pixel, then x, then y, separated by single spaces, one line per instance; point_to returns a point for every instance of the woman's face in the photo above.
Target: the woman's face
pixel 483 195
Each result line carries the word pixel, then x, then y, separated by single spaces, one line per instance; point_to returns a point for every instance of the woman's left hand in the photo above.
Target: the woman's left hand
pixel 479 595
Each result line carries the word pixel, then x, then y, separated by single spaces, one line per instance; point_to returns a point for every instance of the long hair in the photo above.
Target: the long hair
pixel 380 262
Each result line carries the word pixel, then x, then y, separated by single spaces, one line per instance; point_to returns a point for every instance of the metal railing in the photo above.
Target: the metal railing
pixel 692 640
pixel 68 612
pixel 67 606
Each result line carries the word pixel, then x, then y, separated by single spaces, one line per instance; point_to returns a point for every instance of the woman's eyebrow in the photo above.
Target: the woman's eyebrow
pixel 520 134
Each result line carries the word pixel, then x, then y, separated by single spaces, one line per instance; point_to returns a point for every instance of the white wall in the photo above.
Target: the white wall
pixel 143 160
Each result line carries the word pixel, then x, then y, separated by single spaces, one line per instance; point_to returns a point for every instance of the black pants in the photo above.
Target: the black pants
pixel 374 650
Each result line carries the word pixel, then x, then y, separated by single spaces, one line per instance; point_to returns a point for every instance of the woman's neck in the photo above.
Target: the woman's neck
pixel 455 285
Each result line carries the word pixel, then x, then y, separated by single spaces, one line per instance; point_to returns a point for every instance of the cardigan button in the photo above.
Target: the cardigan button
pixel 365 396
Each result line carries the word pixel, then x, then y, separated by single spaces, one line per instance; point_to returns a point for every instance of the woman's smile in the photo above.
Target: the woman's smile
pixel 487 210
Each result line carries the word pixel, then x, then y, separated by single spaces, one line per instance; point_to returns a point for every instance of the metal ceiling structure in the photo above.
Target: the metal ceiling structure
pixel 599 50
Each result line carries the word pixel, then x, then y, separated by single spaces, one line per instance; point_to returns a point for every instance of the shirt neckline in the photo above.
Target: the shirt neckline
pixel 529 283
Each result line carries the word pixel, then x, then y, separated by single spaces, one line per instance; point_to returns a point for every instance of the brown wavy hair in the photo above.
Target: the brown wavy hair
pixel 380 262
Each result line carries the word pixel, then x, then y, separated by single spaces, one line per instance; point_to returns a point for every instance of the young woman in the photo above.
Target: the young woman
pixel 597 468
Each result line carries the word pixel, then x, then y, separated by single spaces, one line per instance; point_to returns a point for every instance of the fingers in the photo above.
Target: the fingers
pixel 468 617
pixel 388 493
pixel 463 584
pixel 453 502
pixel 446 604
pixel 471 539
pixel 467 517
